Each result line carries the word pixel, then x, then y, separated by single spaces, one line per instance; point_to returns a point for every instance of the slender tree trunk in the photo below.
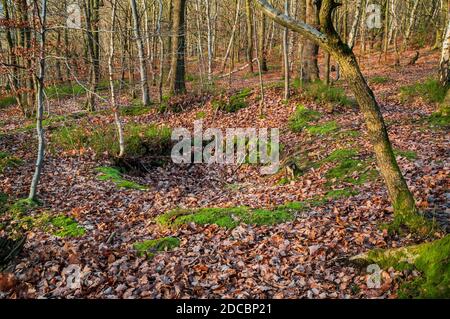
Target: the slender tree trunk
pixel 114 104
pixel 141 55
pixel 262 44
pixel 359 7
pixel 286 55
pixel 233 32
pixel 444 69
pixel 40 100
pixel 249 51
pixel 209 40
pixel 178 85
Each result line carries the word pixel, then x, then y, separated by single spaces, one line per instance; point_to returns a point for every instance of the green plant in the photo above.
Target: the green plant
pixel 134 110
pixel 7 101
pixel 301 118
pixel 380 80
pixel 140 140
pixel 323 129
pixel 322 93
pixel 114 175
pixel 232 103
pixel 63 226
pixel 150 247
pixel 7 160
pixel 430 90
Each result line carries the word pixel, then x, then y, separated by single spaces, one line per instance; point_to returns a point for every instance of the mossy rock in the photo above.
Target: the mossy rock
pixel 151 247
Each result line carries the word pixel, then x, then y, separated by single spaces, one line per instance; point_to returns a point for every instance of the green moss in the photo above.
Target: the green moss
pixel 134 110
pixel 66 227
pixel 348 168
pixel 7 160
pixel 380 80
pixel 323 129
pixel 410 155
pixel 322 93
pixel 414 223
pixel 114 175
pixel 150 247
pixel 430 90
pixel 439 120
pixel 232 103
pixel 3 202
pixel 7 101
pixel 349 133
pixel 230 217
pixel 301 118
pixel 200 115
pixel 431 260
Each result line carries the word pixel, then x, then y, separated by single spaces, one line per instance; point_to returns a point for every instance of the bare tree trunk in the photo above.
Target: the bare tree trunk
pixel 115 107
pixel 233 32
pixel 40 100
pixel 359 7
pixel 141 55
pixel 412 19
pixel 178 85
pixel 249 51
pixel 444 69
pixel 311 49
pixel 286 54
pixel 209 40
pixel 262 44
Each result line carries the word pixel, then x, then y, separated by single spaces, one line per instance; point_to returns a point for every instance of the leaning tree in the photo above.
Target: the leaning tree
pixel 326 36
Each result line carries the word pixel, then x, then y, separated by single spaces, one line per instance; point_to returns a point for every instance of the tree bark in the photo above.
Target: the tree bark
pixel 40 100
pixel 311 49
pixel 141 55
pixel 249 20
pixel 177 81
pixel 111 81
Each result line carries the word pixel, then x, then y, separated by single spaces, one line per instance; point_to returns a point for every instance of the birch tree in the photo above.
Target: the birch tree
pixel 141 55
pixel 40 81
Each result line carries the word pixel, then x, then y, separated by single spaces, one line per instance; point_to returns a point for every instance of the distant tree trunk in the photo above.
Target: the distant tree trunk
pixel 402 199
pixel 412 19
pixel 233 32
pixel 209 40
pixel 262 44
pixel 92 19
pixel 359 7
pixel 444 69
pixel 177 81
pixel 114 105
pixel 249 51
pixel 311 49
pixel 141 55
pixel 40 100
pixel 286 54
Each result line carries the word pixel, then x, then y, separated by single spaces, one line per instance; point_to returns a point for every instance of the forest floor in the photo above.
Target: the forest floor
pixel 306 257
